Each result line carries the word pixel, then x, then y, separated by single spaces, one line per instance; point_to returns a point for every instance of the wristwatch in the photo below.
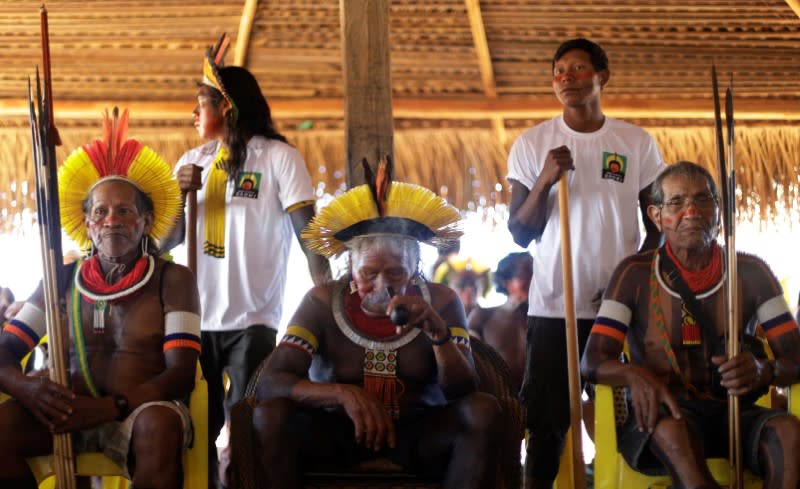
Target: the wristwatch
pixel 121 403
pixel 441 341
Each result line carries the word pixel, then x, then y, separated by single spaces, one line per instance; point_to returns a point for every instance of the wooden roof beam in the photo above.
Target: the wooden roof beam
pixel 532 108
pixel 245 32
pixel 485 62
pixel 795 6
pixel 481 48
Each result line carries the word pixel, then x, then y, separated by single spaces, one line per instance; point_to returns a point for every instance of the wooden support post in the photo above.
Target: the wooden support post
pixel 367 84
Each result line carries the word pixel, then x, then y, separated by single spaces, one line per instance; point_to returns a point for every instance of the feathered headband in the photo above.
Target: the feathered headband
pixel 115 158
pixel 212 62
pixel 382 207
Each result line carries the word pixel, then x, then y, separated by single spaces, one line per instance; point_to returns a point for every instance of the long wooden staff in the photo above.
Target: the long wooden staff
pixel 44 140
pixel 190 229
pixel 727 177
pixel 573 362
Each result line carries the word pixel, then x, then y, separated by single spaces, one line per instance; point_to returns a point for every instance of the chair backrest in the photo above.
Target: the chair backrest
pixel 495 378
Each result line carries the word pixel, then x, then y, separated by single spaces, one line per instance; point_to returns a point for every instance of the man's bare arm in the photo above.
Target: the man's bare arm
pixel 601 365
pixel 528 212
pixel 177 380
pixel 786 348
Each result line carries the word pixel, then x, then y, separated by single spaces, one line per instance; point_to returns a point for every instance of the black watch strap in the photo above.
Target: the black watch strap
pixel 441 341
pixel 121 403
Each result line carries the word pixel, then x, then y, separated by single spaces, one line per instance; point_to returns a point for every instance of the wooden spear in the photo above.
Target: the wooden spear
pixel 733 274
pixel 573 362
pixel 727 178
pixel 44 140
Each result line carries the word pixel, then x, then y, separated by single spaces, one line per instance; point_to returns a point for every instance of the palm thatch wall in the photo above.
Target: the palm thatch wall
pixel 467 165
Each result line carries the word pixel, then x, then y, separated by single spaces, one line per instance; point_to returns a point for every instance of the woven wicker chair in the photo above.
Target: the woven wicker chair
pixel 494 378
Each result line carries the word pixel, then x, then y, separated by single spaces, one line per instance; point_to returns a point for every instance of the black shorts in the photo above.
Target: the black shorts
pixel 709 421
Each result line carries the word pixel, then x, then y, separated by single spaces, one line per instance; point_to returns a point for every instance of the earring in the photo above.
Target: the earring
pixel 353 287
pixel 145 244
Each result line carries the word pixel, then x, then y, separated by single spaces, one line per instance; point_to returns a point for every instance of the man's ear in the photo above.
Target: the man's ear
pixel 654 213
pixel 149 218
pixel 604 75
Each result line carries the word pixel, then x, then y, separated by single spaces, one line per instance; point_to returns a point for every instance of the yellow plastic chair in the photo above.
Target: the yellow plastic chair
pixel 195 460
pixel 566 477
pixel 613 472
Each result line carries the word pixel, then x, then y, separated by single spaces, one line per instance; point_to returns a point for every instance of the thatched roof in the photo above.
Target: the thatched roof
pixel 467 76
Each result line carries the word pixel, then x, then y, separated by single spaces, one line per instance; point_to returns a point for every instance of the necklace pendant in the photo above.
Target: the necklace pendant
pixel 690 330
pixel 99 322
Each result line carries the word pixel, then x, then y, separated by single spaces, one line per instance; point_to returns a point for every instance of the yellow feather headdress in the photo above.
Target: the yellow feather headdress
pixel 114 157
pixel 212 62
pixel 382 207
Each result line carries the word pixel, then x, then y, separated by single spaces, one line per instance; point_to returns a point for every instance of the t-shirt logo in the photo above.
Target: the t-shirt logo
pixel 614 166
pixel 247 184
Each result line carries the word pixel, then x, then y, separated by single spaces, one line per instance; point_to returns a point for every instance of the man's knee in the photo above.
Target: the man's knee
pixel 157 432
pixel 480 412
pixel 271 418
pixel 781 435
pixel 672 437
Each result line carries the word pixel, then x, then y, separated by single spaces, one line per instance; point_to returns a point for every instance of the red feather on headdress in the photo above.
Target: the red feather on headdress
pixel 383 177
pixel 113 155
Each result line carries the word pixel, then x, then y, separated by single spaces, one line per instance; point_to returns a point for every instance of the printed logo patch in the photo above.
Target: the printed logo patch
pixel 614 166
pixel 247 184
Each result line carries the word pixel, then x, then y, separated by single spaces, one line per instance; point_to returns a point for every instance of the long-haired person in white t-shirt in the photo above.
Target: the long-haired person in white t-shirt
pixel 253 193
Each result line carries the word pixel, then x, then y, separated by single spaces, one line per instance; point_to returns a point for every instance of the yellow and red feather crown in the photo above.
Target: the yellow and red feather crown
pixel 114 157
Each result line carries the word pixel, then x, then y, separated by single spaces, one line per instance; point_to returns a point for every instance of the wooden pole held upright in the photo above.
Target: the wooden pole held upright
pixel 573 362
pixel 191 231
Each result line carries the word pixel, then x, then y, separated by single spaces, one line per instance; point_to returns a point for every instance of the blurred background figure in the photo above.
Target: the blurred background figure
pixel 504 327
pixel 470 278
pixel 6 299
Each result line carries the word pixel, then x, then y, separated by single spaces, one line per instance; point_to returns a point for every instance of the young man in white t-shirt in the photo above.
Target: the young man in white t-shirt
pixel 253 194
pixel 610 166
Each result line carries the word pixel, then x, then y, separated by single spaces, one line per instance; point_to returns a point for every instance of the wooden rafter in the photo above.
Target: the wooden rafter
pixel 481 48
pixel 795 6
pixel 468 109
pixel 245 29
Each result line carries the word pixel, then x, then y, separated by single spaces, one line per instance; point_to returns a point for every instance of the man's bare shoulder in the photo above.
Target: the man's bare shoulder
pixel 178 288
pixel 322 293
pixel 441 295
pixel 630 273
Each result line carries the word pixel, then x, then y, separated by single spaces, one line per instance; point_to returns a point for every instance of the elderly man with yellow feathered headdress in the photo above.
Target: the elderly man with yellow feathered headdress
pixel 133 318
pixel 377 363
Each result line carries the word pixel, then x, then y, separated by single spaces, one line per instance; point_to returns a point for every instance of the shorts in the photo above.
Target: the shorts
pixel 707 419
pixel 114 438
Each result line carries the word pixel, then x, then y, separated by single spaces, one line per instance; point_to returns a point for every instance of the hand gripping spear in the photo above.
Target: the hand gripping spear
pixel 44 139
pixel 727 179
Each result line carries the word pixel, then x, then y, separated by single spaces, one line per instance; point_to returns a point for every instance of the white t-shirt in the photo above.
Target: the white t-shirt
pixel 246 286
pixel 603 206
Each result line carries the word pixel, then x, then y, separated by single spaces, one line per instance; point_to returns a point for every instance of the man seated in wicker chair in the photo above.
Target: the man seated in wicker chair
pixel 347 383
pixel 669 306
